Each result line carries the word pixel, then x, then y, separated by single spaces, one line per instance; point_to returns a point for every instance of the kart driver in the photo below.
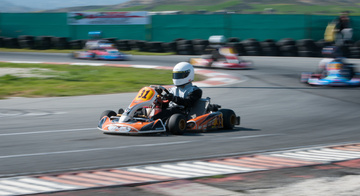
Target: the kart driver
pixel 183 95
pixel 215 43
pixel 334 54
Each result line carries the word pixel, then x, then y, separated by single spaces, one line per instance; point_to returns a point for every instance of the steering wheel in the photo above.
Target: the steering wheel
pixel 161 91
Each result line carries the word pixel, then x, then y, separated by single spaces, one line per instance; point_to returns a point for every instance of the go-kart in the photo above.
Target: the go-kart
pixel 136 119
pixel 229 60
pixel 100 49
pixel 335 75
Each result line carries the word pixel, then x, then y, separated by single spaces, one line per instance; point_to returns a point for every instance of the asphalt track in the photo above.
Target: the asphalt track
pixel 42 135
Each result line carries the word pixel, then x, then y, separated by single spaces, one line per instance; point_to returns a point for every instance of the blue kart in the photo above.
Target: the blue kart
pixel 336 74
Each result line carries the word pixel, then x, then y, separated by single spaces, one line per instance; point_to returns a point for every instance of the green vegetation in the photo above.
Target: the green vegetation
pixel 293 7
pixel 135 8
pixel 304 9
pixel 68 80
pixel 186 8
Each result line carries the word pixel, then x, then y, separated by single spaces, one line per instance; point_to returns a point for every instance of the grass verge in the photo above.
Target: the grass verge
pixel 44 80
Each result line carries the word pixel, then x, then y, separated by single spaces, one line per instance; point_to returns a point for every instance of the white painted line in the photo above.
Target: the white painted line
pixel 216 165
pixel 3 193
pixel 170 171
pixel 91 149
pixel 42 132
pixel 88 64
pixel 325 156
pixel 199 172
pixel 335 154
pixel 15 190
pixel 46 183
pixel 207 168
pixel 299 156
pixel 25 185
pixel 348 152
pixel 145 66
pixel 157 173
pixel 30 62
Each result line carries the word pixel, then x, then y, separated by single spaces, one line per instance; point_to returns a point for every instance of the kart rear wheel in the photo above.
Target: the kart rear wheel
pixel 108 113
pixel 177 124
pixel 229 118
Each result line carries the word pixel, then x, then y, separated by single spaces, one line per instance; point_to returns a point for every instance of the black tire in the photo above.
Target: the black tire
pixel 108 113
pixel 233 39
pixel 169 47
pixel 177 124
pixel 229 118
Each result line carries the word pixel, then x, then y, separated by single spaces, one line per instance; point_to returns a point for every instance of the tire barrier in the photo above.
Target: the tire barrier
pixel 181 46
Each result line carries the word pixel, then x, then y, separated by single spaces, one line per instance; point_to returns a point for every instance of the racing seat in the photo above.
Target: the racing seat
pixel 199 108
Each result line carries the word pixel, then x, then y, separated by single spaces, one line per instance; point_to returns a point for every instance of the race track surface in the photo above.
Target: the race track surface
pixel 59 134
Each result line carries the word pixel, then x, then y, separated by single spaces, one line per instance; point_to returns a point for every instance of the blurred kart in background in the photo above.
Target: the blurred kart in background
pixel 100 49
pixel 229 60
pixel 97 48
pixel 336 74
pixel 136 119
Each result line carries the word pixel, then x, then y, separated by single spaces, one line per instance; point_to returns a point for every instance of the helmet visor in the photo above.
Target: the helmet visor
pixel 181 74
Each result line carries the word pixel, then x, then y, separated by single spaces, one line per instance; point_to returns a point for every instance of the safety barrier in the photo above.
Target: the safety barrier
pixel 248 47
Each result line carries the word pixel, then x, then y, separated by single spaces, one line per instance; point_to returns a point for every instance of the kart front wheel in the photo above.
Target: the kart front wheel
pixel 229 118
pixel 108 113
pixel 177 124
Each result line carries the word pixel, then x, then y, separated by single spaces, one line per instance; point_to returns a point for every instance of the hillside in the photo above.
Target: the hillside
pixel 7 6
pixel 328 7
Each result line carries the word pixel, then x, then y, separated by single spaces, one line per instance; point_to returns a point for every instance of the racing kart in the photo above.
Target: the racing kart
pixel 136 119
pixel 100 49
pixel 335 75
pixel 229 60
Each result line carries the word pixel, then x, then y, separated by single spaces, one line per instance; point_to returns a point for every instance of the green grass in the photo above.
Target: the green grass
pixel 303 9
pixel 246 7
pixel 174 7
pixel 216 7
pixel 67 80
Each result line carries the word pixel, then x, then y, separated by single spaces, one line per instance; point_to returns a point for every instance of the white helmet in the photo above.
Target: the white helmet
pixel 183 73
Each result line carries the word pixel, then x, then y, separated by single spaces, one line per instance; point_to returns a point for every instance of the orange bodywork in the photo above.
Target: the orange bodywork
pixel 206 122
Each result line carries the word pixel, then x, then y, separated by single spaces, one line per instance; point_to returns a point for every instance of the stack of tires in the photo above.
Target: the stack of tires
pixel 354 51
pixel 269 48
pixel 184 47
pixel 345 48
pixel 252 47
pixel 154 47
pixel 141 46
pixel 43 42
pixel 2 42
pixel 11 42
pixel 26 41
pixel 199 46
pixel 307 48
pixel 75 44
pixel 234 42
pixel 287 47
pixel 123 45
pixel 60 43
pixel 169 46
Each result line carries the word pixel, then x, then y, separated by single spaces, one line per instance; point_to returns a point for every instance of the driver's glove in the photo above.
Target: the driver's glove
pixel 169 96
pixel 158 90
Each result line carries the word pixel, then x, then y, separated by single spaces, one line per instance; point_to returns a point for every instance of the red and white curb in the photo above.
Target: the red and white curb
pixel 213 78
pixel 178 170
